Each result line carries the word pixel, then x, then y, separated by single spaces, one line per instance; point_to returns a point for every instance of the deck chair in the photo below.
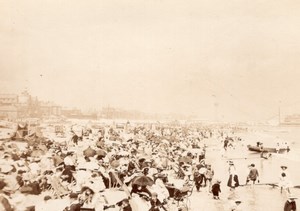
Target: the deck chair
pixel 178 172
pixel 58 189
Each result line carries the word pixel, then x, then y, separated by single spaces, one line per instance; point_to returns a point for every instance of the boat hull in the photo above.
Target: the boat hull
pixel 265 149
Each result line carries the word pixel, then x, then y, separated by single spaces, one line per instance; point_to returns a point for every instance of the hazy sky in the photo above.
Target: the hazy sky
pixel 155 55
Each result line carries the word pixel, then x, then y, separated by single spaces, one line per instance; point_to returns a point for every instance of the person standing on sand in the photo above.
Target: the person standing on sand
pixel 284 183
pixel 290 204
pixel 284 179
pixel 253 175
pixel 216 189
pixel 209 175
pixel 233 180
pixel 225 146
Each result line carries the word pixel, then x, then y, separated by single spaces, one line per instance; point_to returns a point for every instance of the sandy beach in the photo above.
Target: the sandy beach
pixel 260 197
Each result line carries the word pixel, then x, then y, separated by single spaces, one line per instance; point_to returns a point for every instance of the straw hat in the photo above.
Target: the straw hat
pixel 292 197
pixel 6 168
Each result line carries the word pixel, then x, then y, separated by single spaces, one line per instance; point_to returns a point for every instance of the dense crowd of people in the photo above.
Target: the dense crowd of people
pixel 159 167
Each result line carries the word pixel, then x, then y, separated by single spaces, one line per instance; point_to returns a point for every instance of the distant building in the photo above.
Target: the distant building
pixel 49 108
pixel 56 110
pixel 8 109
pixel 8 99
pixel 8 112
pixel 24 99
pixel 26 106
pixel 292 119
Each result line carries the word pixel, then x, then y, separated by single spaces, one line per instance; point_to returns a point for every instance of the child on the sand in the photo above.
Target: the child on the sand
pixel 216 189
pixel 284 183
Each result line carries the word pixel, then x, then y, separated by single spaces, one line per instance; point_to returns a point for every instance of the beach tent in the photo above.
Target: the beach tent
pixel 21 132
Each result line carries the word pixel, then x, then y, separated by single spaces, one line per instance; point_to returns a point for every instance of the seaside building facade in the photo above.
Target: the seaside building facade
pixel 14 107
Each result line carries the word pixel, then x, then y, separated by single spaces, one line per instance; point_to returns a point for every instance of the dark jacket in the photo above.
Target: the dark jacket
pixel 236 181
pixel 290 206
pixel 216 189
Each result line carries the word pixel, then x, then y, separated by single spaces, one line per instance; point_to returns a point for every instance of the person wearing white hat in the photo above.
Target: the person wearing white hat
pixel 284 183
pixel 231 168
pixel 233 180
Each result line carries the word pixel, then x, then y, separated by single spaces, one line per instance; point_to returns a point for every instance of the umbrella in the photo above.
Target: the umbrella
pixel 89 152
pixel 142 160
pixel 164 141
pixel 115 164
pixel 185 159
pixel 143 181
pixel 37 153
pixel 101 152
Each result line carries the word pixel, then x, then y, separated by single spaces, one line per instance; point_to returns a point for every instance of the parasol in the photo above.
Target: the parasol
pixel 115 164
pixel 185 159
pixel 37 153
pixel 89 152
pixel 141 160
pixel 143 181
pixel 165 141
pixel 101 152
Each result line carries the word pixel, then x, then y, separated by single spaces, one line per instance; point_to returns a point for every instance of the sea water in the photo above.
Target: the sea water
pixel 262 196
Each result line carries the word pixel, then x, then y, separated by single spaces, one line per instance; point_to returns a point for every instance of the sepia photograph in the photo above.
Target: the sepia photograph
pixel 149 105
